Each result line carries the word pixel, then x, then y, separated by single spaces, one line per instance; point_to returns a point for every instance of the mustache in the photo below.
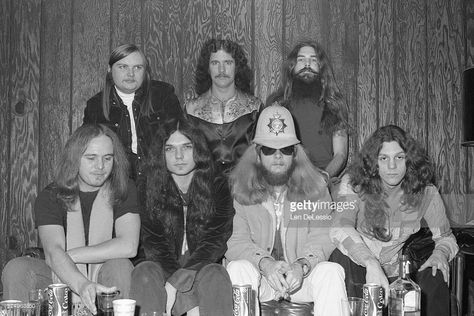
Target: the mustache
pixel 222 76
pixel 307 69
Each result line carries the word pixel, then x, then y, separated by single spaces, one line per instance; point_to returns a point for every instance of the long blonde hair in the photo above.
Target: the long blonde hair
pixel 248 188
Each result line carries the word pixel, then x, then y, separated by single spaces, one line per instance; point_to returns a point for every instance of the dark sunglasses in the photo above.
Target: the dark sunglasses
pixel 267 151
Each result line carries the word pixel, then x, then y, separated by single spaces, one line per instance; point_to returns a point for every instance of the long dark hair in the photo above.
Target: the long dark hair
pixel 365 178
pixel 243 73
pixel 66 177
pixel 117 54
pixel 163 200
pixel 334 107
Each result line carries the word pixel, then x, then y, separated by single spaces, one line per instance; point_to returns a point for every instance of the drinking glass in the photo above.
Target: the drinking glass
pixel 353 306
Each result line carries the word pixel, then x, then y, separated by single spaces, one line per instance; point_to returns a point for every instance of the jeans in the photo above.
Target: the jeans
pixel 211 290
pixel 23 274
pixel 324 286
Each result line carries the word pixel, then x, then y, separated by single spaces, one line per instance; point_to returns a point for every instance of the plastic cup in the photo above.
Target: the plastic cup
pixel 124 307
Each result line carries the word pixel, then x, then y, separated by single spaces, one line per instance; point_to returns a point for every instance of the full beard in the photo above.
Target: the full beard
pixel 275 179
pixel 306 84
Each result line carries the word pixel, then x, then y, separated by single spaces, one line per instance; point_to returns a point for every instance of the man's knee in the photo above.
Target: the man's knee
pixel 212 271
pixel 115 269
pixel 18 269
pixel 240 266
pixel 148 272
pixel 329 270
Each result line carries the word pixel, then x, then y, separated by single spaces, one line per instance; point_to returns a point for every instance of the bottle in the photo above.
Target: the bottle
pixel 405 295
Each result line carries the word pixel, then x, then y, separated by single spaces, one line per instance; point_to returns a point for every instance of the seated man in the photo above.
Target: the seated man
pixel 186 225
pixel 87 220
pixel 390 184
pixel 280 240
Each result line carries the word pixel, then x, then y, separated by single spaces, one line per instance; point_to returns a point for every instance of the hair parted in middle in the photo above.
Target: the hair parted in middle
pixel 66 177
pixel 365 178
pixel 243 73
pixel 162 194
pixel 335 113
pixel 248 186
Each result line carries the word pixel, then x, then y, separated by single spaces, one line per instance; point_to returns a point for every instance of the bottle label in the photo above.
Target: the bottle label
pixel 410 299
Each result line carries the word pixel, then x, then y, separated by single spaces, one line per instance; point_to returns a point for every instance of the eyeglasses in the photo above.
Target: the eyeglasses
pixel 267 151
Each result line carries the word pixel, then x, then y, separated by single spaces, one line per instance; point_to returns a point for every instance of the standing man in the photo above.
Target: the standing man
pixel 280 242
pixel 87 220
pixel 226 109
pixel 132 104
pixel 310 92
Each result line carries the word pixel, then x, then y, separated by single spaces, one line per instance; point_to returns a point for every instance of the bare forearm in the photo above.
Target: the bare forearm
pixel 336 165
pixel 111 249
pixel 63 266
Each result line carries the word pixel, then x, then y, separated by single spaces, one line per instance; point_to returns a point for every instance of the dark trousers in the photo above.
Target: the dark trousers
pixel 435 295
pixel 211 291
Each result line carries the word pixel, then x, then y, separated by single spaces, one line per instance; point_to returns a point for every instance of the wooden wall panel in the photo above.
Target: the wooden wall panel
pixel 343 50
pixel 469 62
pixel 90 53
pixel 303 19
pixel 25 26
pixel 126 22
pixel 197 20
pixel 268 43
pixel 367 76
pixel 233 20
pixel 445 63
pixel 55 92
pixel 4 129
pixel 162 33
pixel 386 61
pixel 411 67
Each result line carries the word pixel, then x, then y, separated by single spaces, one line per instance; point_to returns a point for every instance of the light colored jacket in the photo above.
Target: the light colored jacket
pixel 305 233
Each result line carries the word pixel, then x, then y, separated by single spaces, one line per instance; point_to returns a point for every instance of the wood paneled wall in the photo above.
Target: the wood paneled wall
pixel 397 61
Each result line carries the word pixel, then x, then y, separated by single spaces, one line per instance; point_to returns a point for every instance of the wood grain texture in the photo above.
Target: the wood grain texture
pixel 469 44
pixel 55 96
pixel 126 22
pixel 367 76
pixel 162 33
pixel 268 43
pixel 386 57
pixel 196 29
pixel 445 64
pixel 25 26
pixel 303 19
pixel 411 68
pixel 4 130
pixel 233 20
pixel 343 51
pixel 90 53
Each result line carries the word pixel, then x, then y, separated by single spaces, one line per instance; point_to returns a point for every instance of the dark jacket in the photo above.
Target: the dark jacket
pixel 162 237
pixel 165 106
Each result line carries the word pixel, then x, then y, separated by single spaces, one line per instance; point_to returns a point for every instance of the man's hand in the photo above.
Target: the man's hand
pixel 170 297
pixel 274 272
pixel 88 291
pixel 294 277
pixel 437 261
pixel 376 275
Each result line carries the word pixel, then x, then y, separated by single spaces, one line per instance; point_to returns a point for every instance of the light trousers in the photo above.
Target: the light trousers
pixel 324 286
